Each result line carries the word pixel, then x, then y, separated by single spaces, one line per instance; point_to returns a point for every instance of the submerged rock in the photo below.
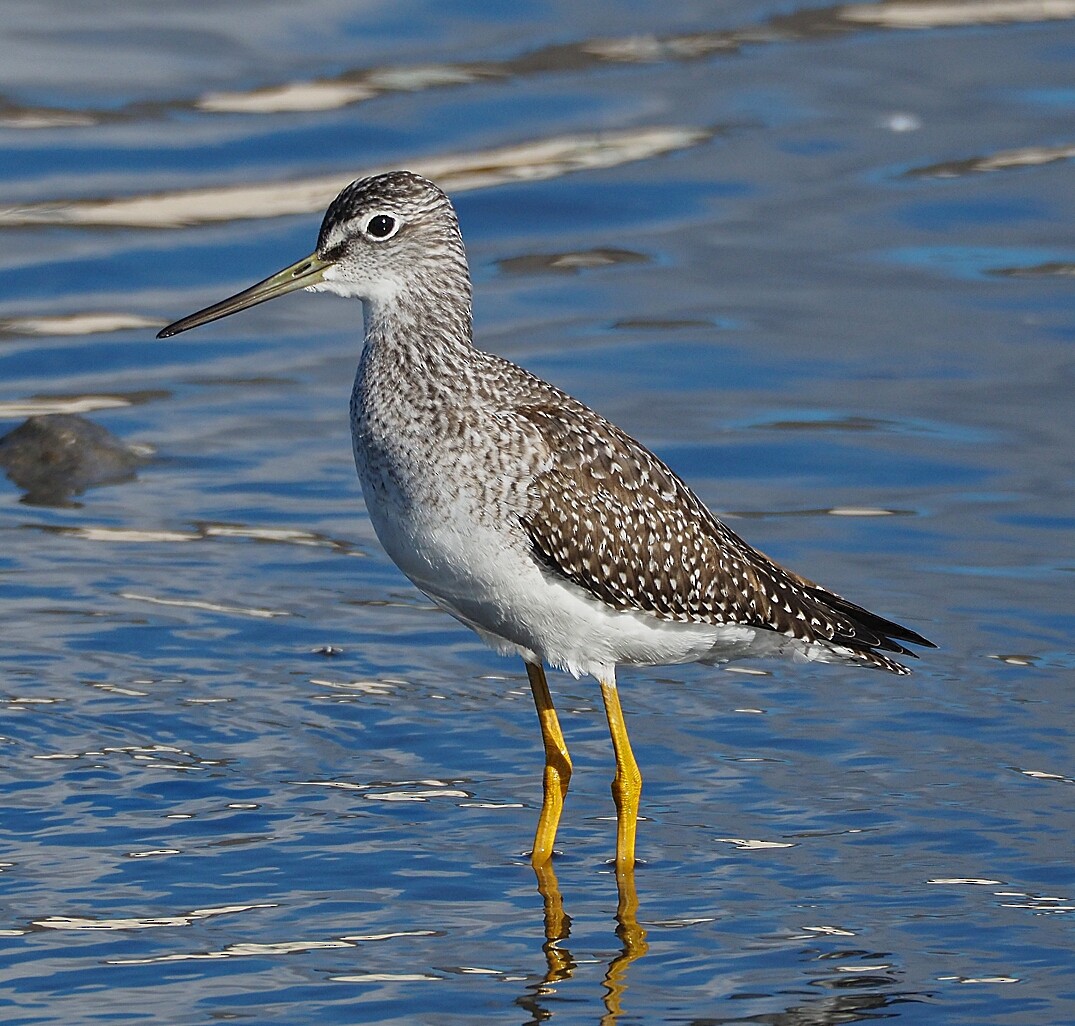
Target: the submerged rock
pixel 57 455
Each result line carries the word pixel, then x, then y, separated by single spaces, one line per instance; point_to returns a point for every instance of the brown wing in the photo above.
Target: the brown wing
pixel 611 517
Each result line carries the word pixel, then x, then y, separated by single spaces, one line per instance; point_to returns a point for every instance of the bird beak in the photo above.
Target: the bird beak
pixel 306 272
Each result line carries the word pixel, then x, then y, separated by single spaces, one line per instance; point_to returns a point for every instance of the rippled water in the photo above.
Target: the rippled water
pixel 818 257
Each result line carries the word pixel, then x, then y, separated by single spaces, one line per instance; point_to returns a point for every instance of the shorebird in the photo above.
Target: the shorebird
pixel 526 515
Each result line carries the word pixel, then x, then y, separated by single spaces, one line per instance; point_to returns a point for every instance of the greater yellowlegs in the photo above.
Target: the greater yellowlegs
pixel 530 518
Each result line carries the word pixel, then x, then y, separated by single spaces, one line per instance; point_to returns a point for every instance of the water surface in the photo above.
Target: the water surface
pixel 818 257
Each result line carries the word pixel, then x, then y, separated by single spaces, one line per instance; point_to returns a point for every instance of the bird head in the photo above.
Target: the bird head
pixel 382 237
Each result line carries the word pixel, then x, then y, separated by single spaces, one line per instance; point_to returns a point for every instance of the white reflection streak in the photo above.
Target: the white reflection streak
pixel 327 94
pixel 333 93
pixel 284 536
pixel 127 534
pixel 540 159
pixel 384 978
pixel 213 607
pixel 289 535
pixel 979 979
pixel 919 15
pixel 1002 160
pixel 364 687
pixel 74 404
pixel 1029 156
pixel 77 323
pixel 149 923
pixel 860 511
pixel 414 796
pixel 1044 775
pixel 255 949
pixel 747 844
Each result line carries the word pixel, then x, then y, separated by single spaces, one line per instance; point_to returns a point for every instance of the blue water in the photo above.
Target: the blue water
pixel 247 772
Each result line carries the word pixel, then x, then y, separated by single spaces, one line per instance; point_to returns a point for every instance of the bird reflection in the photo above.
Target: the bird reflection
pixel 837 1003
pixel 560 965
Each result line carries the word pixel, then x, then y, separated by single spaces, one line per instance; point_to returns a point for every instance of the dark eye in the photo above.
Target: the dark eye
pixel 381 226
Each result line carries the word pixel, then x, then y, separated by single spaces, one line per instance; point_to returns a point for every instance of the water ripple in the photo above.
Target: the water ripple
pixel 531 161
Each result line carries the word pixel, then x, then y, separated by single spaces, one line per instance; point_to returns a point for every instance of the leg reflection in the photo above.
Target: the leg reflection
pixel 558 961
pixel 633 939
pixel 560 965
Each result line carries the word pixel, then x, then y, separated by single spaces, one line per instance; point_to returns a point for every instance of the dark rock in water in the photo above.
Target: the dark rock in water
pixel 57 455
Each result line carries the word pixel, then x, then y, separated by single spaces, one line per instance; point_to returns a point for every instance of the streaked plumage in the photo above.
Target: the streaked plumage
pixel 525 514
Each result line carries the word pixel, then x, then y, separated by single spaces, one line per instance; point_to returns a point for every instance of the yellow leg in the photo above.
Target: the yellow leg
pixel 626 785
pixel 557 766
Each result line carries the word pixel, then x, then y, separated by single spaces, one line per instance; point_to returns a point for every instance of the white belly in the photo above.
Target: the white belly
pixel 516 606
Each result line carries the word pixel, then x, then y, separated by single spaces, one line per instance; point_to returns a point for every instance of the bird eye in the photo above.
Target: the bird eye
pixel 381 226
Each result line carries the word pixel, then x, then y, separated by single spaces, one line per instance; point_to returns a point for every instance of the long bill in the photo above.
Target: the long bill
pixel 301 274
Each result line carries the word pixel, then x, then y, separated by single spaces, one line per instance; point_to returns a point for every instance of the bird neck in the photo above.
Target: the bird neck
pixel 427 324
pixel 415 370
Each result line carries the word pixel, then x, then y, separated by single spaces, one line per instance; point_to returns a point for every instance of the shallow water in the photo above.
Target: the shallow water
pixel 819 258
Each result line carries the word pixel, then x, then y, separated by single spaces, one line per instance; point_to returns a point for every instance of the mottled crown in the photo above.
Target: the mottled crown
pixel 412 196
